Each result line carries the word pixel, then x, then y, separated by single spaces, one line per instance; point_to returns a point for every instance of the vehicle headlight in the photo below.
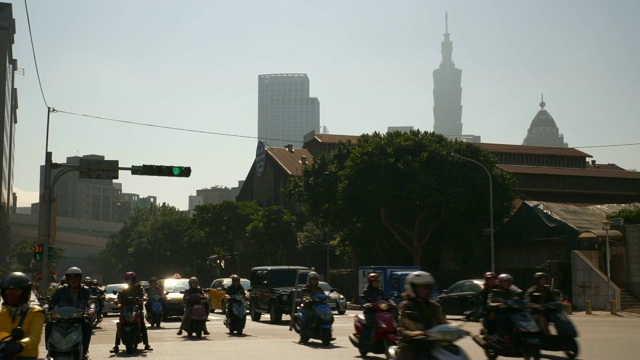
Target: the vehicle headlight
pixel 341 297
pixel 285 297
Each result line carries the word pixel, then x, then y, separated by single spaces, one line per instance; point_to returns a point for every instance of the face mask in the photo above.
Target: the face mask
pixel 12 299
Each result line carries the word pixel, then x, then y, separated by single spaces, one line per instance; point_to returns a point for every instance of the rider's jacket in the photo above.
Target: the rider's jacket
pixel 500 295
pixel 233 290
pixel 542 295
pixel 129 295
pixel 157 290
pixel 64 296
pixel 10 317
pixel 372 294
pixel 431 315
pixel 191 291
pixel 309 290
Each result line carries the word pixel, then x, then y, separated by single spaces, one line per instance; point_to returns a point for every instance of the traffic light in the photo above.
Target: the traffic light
pixel 37 252
pixel 161 170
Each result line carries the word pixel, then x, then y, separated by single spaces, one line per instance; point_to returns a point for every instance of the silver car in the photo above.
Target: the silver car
pixel 110 298
pixel 338 302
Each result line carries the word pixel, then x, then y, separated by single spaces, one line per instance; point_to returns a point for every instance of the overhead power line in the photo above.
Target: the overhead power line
pixel 248 136
pixel 33 50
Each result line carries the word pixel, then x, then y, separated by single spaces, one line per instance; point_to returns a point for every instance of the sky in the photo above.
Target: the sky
pixel 195 64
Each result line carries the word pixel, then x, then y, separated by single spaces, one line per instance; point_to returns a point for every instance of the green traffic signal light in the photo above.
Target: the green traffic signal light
pixel 37 252
pixel 161 170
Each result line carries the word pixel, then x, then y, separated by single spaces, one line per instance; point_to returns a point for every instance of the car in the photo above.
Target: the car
pixel 174 304
pixel 110 298
pixel 218 290
pixel 273 290
pixel 464 296
pixel 338 302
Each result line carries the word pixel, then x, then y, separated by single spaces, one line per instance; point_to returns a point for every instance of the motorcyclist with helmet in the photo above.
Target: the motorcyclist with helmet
pixel 99 293
pixel 490 282
pixel 127 296
pixel 498 321
pixel 311 288
pixel 538 295
pixel 154 289
pixel 16 312
pixel 234 289
pixel 194 288
pixel 419 287
pixel 370 295
pixel 75 295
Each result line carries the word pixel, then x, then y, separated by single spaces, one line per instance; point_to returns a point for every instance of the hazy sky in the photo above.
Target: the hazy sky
pixel 195 65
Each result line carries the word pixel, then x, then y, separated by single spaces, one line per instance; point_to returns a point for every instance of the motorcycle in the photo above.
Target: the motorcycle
pixel 439 340
pixel 519 338
pixel 154 316
pixel 236 314
pixel 566 333
pixel 385 333
pixel 65 340
pixel 129 324
pixel 198 314
pixel 95 319
pixel 320 320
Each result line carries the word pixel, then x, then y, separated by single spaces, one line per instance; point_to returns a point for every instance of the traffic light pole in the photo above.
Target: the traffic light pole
pixel 45 223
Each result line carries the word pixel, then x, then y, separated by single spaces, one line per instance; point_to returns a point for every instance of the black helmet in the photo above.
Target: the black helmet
pixel 537 276
pixel 235 277
pixel 193 280
pixel 87 279
pixel 17 280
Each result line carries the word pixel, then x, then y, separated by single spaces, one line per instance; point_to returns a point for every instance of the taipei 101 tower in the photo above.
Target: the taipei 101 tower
pixel 447 93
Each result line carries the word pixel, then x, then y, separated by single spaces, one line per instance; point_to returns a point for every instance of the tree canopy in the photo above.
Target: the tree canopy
pixel 388 194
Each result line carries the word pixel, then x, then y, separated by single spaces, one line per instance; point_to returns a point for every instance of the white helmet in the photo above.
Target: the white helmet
pixel 418 278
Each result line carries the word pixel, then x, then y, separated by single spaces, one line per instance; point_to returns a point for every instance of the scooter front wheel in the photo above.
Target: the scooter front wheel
pixel 571 348
pixel 530 352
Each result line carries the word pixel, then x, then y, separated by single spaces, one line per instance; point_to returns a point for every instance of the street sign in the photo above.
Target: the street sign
pixel 98 169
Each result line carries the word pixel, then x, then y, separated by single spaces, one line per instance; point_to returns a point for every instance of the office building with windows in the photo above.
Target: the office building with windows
pixel 285 110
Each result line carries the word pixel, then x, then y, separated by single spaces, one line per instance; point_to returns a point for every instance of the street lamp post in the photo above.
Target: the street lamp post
pixel 606 225
pixel 493 268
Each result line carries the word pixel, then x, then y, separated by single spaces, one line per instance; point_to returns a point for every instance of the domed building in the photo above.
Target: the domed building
pixel 544 131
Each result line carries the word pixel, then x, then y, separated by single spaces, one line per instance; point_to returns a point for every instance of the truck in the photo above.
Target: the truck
pixel 391 278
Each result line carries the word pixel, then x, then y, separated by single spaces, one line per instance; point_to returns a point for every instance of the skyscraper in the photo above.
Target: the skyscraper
pixel 8 121
pixel 447 93
pixel 285 110
pixel 543 130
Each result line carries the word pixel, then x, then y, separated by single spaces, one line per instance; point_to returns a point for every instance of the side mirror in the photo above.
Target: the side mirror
pixel 17 333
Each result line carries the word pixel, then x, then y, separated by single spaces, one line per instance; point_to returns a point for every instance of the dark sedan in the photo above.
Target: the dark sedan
pixel 463 296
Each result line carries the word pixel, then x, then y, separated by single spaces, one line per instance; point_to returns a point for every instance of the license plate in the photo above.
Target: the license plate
pixel 332 304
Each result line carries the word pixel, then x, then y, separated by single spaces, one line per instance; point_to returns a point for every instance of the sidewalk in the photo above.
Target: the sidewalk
pixel 604 313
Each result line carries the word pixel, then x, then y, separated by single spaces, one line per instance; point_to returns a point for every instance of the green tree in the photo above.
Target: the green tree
pixel 273 233
pixel 221 228
pixel 630 215
pixel 153 242
pixel 399 189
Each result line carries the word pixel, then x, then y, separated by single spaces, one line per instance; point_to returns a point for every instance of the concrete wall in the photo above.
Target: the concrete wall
pixel 589 283
pixel 632 259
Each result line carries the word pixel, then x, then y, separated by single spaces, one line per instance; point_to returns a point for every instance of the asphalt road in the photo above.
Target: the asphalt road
pixel 602 337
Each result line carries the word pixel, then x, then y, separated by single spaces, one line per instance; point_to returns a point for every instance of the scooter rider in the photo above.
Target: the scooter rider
pixel 99 293
pixel 419 286
pixel 194 288
pixel 311 288
pixel 371 294
pixel 130 293
pixel 75 295
pixel 496 301
pixel 234 289
pixel 154 289
pixel 16 312
pixel 540 294
pixel 490 282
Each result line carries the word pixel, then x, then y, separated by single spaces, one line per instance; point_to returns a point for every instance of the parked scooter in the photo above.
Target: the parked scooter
pixel 236 313
pixel 154 317
pixel 129 325
pixel 385 333
pixel 319 323
pixel 566 333
pixel 519 338
pixel 65 340
pixel 439 340
pixel 198 314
